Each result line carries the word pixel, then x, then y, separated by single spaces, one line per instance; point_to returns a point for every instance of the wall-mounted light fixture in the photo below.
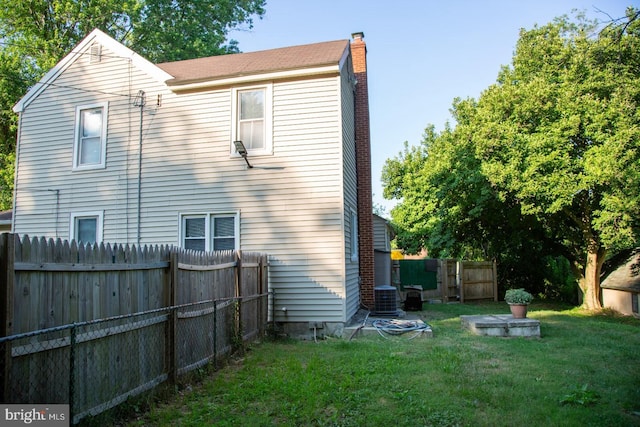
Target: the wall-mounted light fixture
pixel 240 149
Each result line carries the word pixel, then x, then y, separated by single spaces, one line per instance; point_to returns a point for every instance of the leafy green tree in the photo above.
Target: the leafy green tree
pixel 36 34
pixel 554 145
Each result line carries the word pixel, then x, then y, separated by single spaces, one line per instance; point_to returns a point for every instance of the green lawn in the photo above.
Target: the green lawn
pixel 584 370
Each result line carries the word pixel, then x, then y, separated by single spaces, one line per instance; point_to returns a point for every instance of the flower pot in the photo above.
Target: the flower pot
pixel 519 311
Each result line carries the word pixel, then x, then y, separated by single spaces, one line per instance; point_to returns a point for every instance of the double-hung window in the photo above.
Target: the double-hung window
pixel 86 227
pixel 90 144
pixel 252 119
pixel 210 232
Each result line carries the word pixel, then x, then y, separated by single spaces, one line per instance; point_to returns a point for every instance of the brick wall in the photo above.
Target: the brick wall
pixel 363 168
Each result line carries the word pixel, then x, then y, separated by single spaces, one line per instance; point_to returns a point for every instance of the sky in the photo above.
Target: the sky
pixel 421 54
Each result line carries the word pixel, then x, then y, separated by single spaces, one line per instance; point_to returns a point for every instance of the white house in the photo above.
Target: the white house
pixel 114 148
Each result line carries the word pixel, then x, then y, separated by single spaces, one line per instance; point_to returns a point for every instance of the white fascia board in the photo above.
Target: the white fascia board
pixel 277 75
pixel 345 55
pixel 95 36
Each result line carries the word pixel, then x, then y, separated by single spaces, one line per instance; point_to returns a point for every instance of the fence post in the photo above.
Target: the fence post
pixel 215 334
pixel 260 288
pixel 7 260
pixel 443 280
pixel 171 339
pixel 72 370
pixel 495 281
pixel 460 279
pixel 238 295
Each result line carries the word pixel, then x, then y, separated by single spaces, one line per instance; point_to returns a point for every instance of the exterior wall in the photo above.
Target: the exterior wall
pixel 382 250
pixel 620 301
pixel 350 191
pixel 290 205
pixel 381 238
pixel 47 189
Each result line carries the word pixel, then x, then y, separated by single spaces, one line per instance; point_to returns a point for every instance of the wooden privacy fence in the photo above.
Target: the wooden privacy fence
pixel 456 280
pixel 477 280
pixel 90 326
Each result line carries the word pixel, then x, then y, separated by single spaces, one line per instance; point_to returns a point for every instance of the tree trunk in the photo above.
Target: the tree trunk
pixel 590 284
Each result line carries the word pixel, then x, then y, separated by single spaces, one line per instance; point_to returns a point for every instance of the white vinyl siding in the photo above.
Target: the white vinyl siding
pixel 350 194
pixel 381 236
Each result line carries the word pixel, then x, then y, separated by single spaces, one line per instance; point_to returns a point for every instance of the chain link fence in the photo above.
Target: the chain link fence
pixel 96 365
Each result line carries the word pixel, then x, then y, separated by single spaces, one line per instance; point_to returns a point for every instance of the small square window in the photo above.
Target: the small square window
pixel 86 227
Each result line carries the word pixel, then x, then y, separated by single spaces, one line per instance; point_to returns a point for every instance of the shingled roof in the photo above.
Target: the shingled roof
pixel 242 64
pixel 627 276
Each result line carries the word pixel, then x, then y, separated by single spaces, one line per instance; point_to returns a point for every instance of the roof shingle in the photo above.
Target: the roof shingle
pixel 242 64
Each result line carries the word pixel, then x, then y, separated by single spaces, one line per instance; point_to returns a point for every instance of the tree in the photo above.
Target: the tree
pixel 557 138
pixel 449 207
pixel 36 34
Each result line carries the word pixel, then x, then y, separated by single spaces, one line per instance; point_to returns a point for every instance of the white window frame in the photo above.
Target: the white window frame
pixel 208 233
pixel 103 137
pixel 74 216
pixel 268 119
pixel 354 235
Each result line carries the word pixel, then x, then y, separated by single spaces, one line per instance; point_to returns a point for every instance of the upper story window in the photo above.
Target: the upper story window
pixel 90 145
pixel 252 119
pixel 86 227
pixel 210 232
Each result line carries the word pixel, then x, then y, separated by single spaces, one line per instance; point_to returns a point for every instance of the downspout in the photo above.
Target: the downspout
pixel 140 101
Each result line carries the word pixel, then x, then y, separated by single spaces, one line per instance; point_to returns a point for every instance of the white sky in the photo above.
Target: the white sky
pixel 421 53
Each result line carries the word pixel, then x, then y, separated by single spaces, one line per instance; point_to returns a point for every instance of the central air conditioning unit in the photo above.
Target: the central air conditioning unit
pixel 385 299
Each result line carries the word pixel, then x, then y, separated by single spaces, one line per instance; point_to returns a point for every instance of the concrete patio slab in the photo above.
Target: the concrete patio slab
pixel 501 325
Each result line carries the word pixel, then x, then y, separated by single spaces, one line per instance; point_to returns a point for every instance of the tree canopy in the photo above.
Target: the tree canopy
pixel 36 34
pixel 545 162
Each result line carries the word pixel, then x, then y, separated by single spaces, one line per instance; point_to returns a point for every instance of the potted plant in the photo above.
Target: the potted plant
pixel 518 300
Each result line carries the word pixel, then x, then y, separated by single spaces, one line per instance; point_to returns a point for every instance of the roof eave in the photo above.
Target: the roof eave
pixel 186 85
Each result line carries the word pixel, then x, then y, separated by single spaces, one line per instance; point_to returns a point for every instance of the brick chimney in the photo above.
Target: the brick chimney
pixel 363 170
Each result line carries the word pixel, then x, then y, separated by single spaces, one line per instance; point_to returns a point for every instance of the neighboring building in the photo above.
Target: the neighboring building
pixel 114 148
pixel 382 236
pixel 621 288
pixel 5 221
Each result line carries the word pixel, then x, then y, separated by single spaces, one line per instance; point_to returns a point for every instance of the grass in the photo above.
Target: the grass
pixel 584 370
